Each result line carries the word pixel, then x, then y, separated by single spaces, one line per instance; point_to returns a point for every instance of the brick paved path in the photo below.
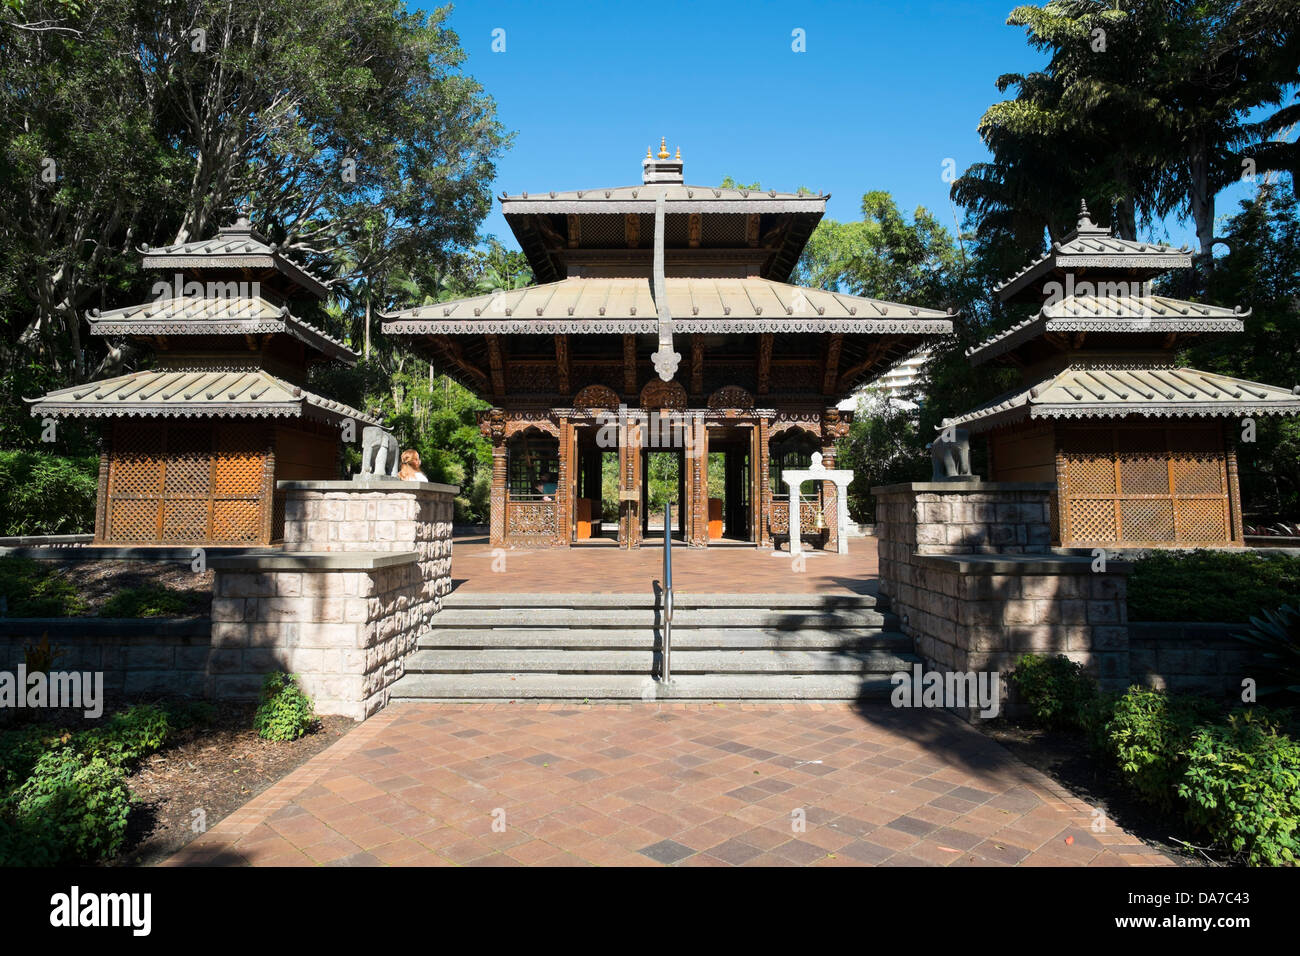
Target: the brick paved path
pixel 725 569
pixel 649 784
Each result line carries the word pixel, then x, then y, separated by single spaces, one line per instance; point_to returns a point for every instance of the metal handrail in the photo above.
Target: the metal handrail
pixel 668 590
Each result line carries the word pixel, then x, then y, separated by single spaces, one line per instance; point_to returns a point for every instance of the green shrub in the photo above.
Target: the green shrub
pixel 1242 786
pixel 148 601
pixel 184 714
pixel 1058 693
pixel 72 809
pixel 126 736
pixel 1276 636
pixel 1148 735
pixel 284 712
pixel 46 493
pixel 20 748
pixel 32 589
pixel 1211 585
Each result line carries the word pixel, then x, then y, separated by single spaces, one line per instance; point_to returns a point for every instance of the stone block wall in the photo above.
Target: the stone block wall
pixel 1192 657
pixel 364 568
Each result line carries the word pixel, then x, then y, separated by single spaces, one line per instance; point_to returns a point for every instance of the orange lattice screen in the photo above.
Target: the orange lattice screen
pixel 186 483
pixel 1138 485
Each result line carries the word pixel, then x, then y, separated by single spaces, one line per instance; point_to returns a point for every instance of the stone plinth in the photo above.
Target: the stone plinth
pixel 364 568
pixel 968 568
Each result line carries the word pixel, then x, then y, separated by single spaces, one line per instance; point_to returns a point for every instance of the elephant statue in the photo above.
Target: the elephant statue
pixel 379 455
pixel 950 454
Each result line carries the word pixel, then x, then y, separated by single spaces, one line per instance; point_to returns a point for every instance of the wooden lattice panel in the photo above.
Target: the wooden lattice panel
pixel 187 482
pixel 1140 485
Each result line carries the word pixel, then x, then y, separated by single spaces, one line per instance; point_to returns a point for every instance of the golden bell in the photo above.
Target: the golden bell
pixel 821 520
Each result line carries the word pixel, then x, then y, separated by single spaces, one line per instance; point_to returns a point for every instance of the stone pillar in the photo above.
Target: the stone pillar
pixel 364 568
pixel 968 569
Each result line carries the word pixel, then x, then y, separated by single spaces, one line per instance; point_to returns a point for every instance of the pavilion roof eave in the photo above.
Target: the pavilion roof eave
pixel 1082 392
pixel 193 393
pixel 1129 314
pixel 249 315
pixel 699 305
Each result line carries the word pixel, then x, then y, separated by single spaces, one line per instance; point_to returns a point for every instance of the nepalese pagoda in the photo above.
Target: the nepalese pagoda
pixel 191 448
pixel 664 306
pixel 1142 451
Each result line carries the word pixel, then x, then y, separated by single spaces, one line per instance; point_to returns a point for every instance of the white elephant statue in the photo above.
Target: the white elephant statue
pixel 379 456
pixel 950 454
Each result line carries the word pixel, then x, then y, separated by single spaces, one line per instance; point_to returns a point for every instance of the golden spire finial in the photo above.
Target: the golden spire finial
pixel 647 153
pixel 678 157
pixel 663 147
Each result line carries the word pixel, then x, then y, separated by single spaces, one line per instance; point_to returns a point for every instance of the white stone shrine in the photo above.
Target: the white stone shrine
pixel 817 472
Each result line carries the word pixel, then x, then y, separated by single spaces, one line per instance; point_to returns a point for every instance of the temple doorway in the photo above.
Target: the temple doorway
pixel 665 481
pixel 595 504
pixel 730 496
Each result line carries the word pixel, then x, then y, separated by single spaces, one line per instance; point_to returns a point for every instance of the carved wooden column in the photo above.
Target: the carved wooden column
pixel 762 496
pixel 101 494
pixel 629 484
pixel 697 464
pixel 1236 531
pixel 1061 499
pixel 494 427
pixel 564 485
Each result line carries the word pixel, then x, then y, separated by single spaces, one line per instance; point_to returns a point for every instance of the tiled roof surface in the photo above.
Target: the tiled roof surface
pixel 234 246
pixel 239 315
pixel 250 392
pixel 1117 389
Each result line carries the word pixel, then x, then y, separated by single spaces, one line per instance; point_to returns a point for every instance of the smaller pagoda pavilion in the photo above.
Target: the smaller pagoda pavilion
pixel 191 448
pixel 1142 451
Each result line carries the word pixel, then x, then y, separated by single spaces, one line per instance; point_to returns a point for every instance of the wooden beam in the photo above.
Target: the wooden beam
pixel 845 381
pixel 697 365
pixel 497 365
pixel 751 229
pixel 452 350
pixel 562 362
pixel 575 230
pixel 693 229
pixel 831 370
pixel 629 365
pixel 632 229
pixel 765 341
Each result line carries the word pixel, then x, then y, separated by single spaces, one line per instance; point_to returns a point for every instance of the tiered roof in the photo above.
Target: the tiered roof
pixel 1102 344
pixel 218 369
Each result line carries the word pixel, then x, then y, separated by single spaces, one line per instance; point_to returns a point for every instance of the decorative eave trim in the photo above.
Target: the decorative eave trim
pixel 519 326
pixel 1054 259
pixel 1030 329
pixel 1168 410
pixel 289 325
pixel 160 259
pixel 675 207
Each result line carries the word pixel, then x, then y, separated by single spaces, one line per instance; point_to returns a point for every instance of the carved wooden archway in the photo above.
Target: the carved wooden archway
pixel 731 396
pixel 660 394
pixel 596 396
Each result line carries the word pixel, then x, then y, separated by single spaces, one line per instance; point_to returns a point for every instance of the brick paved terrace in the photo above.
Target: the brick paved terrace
pixel 603 568
pixel 650 784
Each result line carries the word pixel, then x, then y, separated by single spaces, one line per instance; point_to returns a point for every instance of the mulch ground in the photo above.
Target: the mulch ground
pixel 1067 760
pixel 215 769
pixel 99 581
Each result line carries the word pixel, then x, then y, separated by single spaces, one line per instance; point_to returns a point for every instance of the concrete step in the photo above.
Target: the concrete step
pixel 529 601
pixel 646 662
pixel 684 638
pixel 553 617
pixel 633 687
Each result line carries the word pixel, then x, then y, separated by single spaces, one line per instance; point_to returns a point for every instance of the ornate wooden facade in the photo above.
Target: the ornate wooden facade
pixel 663 323
pixel 191 449
pixel 1142 451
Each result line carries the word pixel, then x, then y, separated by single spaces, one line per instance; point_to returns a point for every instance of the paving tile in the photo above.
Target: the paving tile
pixel 667 851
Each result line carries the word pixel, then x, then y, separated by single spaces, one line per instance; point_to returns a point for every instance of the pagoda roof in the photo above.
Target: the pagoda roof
pixel 680 198
pixel 1094 247
pixel 1116 390
pixel 235 247
pixel 197 393
pixel 595 305
pixel 1136 314
pixel 239 315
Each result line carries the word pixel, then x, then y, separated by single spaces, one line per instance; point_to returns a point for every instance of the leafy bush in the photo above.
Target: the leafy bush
pixel 1059 694
pixel 284 711
pixel 32 589
pixel 1148 734
pixel 184 714
pixel 46 493
pixel 20 748
pixel 149 601
pixel 1277 637
pixel 72 809
pixel 1242 786
pixel 1211 585
pixel 126 736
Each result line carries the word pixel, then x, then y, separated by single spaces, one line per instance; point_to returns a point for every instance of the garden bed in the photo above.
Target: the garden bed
pixel 218 769
pixel 119 589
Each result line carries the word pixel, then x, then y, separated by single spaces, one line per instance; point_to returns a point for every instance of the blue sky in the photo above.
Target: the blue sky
pixel 883 95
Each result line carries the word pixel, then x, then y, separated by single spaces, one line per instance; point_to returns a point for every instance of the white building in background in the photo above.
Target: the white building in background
pixel 893 385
